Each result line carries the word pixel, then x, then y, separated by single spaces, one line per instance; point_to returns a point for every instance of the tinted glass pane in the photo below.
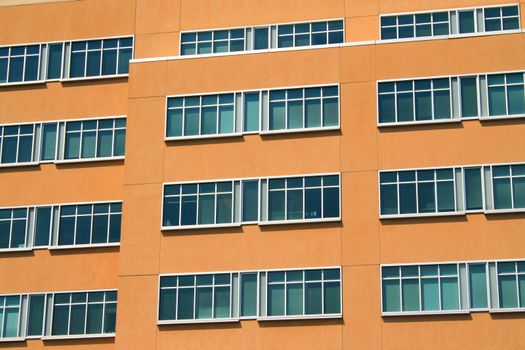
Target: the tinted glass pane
pixel 426 197
pixel 109 62
pixel 391 295
pixel 294 299
pixel 430 294
pixel 224 208
pixel 250 201
pixel 249 295
pixel 410 295
pixel 330 112
pixel 423 106
pixel 78 316
pixel 3 70
pixel 516 96
pixel 110 317
pixel 469 100
pixel 119 144
pixel 189 210
pixel 466 22
pixel 18 233
pixel 174 126
pixel 66 232
pixel 332 298
pixel 9 149
pixel 25 149
pixel 502 194
pixel 405 107
pixel 72 146
pixel 209 121
pixel 49 138
pixel 167 304
pixel 508 297
pixel 54 65
pixel 388 199
pixel 330 202
pixel 94 319
pixel 123 61
pixel 191 121
pixel 16 69
pixel 445 193
pixel 275 300
pixel 478 286
pixel 60 320
pixel 100 229
pixel 36 315
pixel 295 114
pixel 497 100
pixel 313 300
pixel 518 191
pixel 442 104
pixel 313 113
pixel 83 230
pixel 88 144
pixel 294 204
pixel 226 119
pixel 312 203
pixel 407 198
pixel 251 112
pixel 473 189
pixel 261 38
pixel 77 64
pixel 31 68
pixel 43 225
pixel 93 63
pixel 204 303
pixel 449 294
pixel 277 116
pixel 222 302
pixel 276 205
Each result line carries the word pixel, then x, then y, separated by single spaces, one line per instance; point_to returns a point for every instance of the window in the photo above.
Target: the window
pixel 454 22
pixel 58 315
pixel 445 191
pixel 9 316
pixel 16 144
pixel 262 38
pixel 483 96
pixel 249 201
pixel 90 224
pixel 95 58
pixel 264 111
pixel 13 228
pixel 93 139
pixel 508 185
pixel 453 287
pixel 64 60
pixel 311 293
pixel 84 313
pixel 51 226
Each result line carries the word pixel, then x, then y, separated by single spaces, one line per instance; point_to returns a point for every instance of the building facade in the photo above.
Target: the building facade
pixel 202 174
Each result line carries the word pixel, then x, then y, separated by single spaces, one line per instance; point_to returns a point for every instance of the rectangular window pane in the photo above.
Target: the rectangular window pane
pixel 497 101
pixel 313 300
pixel 251 112
pixel 449 294
pixel 167 304
pixel 222 302
pixel 277 115
pixel 332 298
pixel 60 320
pixel 410 290
pixel 276 205
pixel 473 189
pixel 250 200
pixel 430 294
pixel 204 303
pixel 391 296
pixel 49 139
pixel 36 315
pixel 249 294
pixel 469 97
pixel 478 286
pixel 94 318
pixel 43 226
pixel 502 193
pixel 185 304
pixel 276 300
pixel 508 296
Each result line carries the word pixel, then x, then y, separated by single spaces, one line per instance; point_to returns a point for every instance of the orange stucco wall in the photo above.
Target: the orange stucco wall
pixel 359 243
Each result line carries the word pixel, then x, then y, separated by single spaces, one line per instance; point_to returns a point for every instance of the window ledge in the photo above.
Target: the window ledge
pixel 298 317
pixel 424 122
pixel 88 160
pixel 426 313
pixel 509 310
pixel 502 117
pixel 80 336
pixel 210 320
pixel 422 215
pixel 301 130
pixel 15 250
pixel 23 83
pixel 14 165
pixel 83 246
pixel 505 211
pixel 113 76
pixel 195 227
pixel 9 340
pixel 200 137
pixel 302 221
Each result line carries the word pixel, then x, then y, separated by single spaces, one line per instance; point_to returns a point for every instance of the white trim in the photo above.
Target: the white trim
pixel 452 76
pixel 249 178
pixel 422 215
pixel 504 211
pixel 80 336
pixel 447 9
pixel 299 221
pixel 97 77
pixel 87 160
pixel 15 250
pixel 14 165
pixel 64 120
pixel 253 271
pixel 300 317
pixel 425 313
pixel 193 321
pixel 452 262
pixel 425 122
pixel 22 83
pixel 84 246
pixel 453 166
pixel 297 131
pixel 501 117
pixel 503 310
pixel 197 226
pixel 200 137
pixel 12 339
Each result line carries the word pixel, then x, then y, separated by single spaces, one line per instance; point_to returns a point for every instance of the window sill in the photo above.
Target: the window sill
pixel 211 320
pixel 425 313
pixel 80 336
pixel 88 160
pixel 505 211
pixel 114 76
pixel 83 246
pixel 195 227
pixel 200 137
pixel 10 340
pixel 302 221
pixel 295 131
pixel 15 165
pixel 23 83
pixel 424 122
pixel 503 311
pixel 15 250
pixel 298 317
pixel 502 117
pixel 422 215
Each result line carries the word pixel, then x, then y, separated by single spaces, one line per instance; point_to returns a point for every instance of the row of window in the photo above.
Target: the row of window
pixel 243 201
pixel 262 37
pixel 453 287
pixel 263 111
pixel 65 60
pixel 448 98
pixel 445 191
pixel 275 294
pixel 452 22
pixel 58 315
pixel 61 225
pixel 58 141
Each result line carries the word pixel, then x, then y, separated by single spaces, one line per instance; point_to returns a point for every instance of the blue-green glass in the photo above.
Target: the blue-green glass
pixel 313 203
pixel 277 116
pixel 449 294
pixel 249 294
pixel 313 113
pixel 445 194
pixel 521 282
pixel 275 300
pixel 407 198
pixel 119 143
pixel 174 126
pixel 206 209
pixel 330 111
pixel 518 192
pixel 442 104
pixel 9 149
pixel 209 121
pixel 31 68
pixel 224 208
pixel 469 97
pixel 104 146
pixel 508 296
pixel 16 69
pixel 389 199
pixel 115 222
pixel 423 30
pixel 77 319
pixel 251 112
pixel 109 62
pixel 83 230
pixel 72 146
pixel 294 299
pixel 60 320
pixel 294 205
pixel 204 302
pixel 189 210
pixel 226 119
pixel 260 38
pixel 185 304
pixel 36 315
pixel 332 297
pixel 18 233
pixel 110 318
pixel 430 294
pixel 466 22
pixel 276 205
pixel 25 148
pixel 473 189
pixel 478 286
pixel 49 138
pixel 43 225
pixel 66 232
pixel 405 107
pixel 188 49
pixel 100 229
pixel 313 295
pixel 295 114
pixel 387 109
pixel 410 289
pixel 11 322
pixel 250 200
pixel 95 314
pixel 93 63
pixel 423 105
pixel 497 101
pixel 391 295
pixel 222 302
pixel 511 23
pixel 502 193
pixel 77 64
pixel 516 96
pixel 3 70
pixel 426 197
pixel 191 121
pixel 330 202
